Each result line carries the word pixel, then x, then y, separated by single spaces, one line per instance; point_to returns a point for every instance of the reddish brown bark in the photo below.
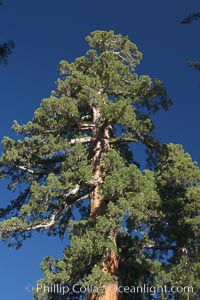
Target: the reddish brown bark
pixel 109 265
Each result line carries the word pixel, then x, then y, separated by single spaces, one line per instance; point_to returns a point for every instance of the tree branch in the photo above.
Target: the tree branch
pixel 45 226
pixel 81 140
pixel 119 54
pixel 52 220
pixel 122 140
pixel 24 168
pixel 87 117
pixel 183 249
pixel 86 126
pixel 73 192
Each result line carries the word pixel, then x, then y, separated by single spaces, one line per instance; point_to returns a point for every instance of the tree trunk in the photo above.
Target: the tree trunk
pixel 109 265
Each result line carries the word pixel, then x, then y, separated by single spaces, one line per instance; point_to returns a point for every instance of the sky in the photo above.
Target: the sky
pixel 46 32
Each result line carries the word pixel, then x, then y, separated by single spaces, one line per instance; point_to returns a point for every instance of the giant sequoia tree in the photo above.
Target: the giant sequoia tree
pixel 74 171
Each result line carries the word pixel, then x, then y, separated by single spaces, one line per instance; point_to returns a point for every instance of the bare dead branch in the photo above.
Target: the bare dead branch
pixel 73 192
pixel 81 140
pixel 24 168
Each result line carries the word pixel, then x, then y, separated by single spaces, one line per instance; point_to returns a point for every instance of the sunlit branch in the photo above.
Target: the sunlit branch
pixel 24 168
pixel 81 140
pixel 122 140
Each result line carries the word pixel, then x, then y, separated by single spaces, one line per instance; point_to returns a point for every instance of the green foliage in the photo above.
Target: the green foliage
pixel 188 20
pixel 99 108
pixel 5 49
pixel 192 17
pixel 194 64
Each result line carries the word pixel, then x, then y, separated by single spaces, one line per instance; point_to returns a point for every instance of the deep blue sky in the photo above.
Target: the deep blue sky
pixel 46 32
